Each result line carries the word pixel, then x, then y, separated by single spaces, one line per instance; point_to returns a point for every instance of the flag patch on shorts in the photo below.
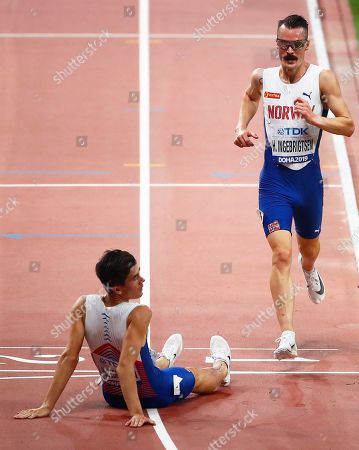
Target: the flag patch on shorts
pixel 274 226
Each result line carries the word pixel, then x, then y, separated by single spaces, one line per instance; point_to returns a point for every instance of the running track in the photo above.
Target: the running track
pixel 71 186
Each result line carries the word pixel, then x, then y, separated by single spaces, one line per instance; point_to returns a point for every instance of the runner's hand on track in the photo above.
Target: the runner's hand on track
pixel 242 139
pixel 42 411
pixel 137 420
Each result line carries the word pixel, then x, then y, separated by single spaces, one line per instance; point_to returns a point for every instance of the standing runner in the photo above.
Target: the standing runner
pixel 296 98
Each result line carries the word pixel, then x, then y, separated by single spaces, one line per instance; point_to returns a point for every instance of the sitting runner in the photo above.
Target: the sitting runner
pixel 115 328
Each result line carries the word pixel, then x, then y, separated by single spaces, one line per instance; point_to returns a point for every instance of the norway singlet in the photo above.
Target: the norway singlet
pixel 105 329
pixel 291 184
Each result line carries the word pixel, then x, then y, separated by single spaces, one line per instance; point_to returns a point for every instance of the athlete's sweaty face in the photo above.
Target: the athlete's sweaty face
pixel 290 57
pixel 133 286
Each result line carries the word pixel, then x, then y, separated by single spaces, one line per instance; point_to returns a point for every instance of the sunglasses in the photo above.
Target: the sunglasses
pixel 296 45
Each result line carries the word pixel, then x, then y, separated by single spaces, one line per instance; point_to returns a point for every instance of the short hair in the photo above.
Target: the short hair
pixel 294 21
pixel 113 268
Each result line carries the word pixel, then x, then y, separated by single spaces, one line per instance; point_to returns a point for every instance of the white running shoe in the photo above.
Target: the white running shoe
pixel 172 348
pixel 316 289
pixel 287 348
pixel 220 350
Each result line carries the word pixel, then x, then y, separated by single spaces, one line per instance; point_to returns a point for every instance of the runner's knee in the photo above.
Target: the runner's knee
pixel 281 257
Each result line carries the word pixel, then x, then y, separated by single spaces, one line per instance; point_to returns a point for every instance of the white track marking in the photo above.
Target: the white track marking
pixel 268 372
pixel 133 36
pixel 65 35
pixel 161 431
pixel 259 349
pixel 46 370
pixel 33 361
pixel 38 347
pixel 46 376
pixel 339 142
pixel 144 145
pixel 209 360
pixel 145 217
pixel 138 185
pixel 213 36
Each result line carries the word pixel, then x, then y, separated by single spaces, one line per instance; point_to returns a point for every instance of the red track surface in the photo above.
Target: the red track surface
pixel 195 92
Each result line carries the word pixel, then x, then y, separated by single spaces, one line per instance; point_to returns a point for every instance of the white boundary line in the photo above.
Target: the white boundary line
pixel 212 36
pixel 46 370
pixel 209 360
pixel 161 431
pixel 36 346
pixel 133 36
pixel 46 376
pixel 65 35
pixel 268 372
pixel 262 349
pixel 338 141
pixel 145 194
pixel 144 145
pixel 138 185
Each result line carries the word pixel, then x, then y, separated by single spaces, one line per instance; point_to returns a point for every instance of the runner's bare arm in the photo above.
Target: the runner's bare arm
pixel 342 123
pixel 248 109
pixel 65 366
pixel 138 322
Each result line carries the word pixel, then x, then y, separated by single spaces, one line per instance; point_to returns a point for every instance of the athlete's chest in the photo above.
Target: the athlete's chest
pixel 279 97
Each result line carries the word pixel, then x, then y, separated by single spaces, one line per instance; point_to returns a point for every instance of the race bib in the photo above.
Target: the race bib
pixel 292 145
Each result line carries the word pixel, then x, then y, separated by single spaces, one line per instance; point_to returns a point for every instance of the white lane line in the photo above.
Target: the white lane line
pixel 161 431
pixel 138 185
pixel 209 360
pixel 133 36
pixel 45 376
pixel 213 36
pixel 33 361
pixel 38 347
pixel 71 185
pixel 267 349
pixel 268 372
pixel 65 35
pixel 145 217
pixel 144 146
pixel 338 141
pixel 46 370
